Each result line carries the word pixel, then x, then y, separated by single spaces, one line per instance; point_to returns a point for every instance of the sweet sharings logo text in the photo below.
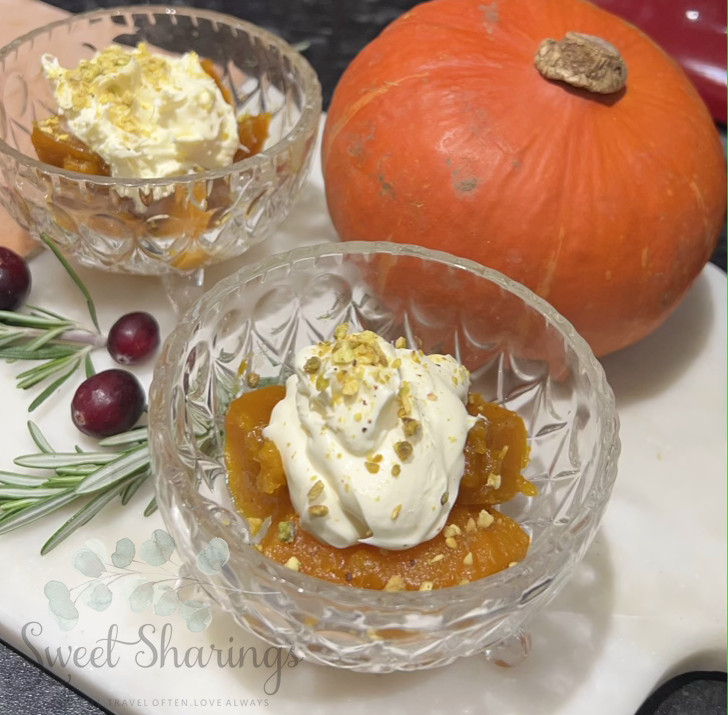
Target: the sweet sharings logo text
pixel 151 647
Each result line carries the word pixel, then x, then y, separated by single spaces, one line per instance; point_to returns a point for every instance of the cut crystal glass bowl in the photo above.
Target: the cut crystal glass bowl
pixel 207 217
pixel 520 352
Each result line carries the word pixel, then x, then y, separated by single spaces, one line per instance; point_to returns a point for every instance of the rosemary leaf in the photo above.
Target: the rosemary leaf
pixel 25 492
pixel 82 470
pixel 22 352
pixel 128 464
pixel 88 365
pixel 135 436
pixel 36 309
pixel 45 338
pixel 20 480
pixel 8 508
pixel 47 368
pixel 43 396
pixel 24 320
pixel 65 481
pixel 133 487
pixel 151 507
pixel 83 516
pixel 35 511
pixel 39 438
pixel 74 277
pixel 64 459
pixel 37 374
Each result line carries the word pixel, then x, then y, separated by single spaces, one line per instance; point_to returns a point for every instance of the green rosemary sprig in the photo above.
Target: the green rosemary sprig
pixel 93 479
pixel 59 345
pixel 74 277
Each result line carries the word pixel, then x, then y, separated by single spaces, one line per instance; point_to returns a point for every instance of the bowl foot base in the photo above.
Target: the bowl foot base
pixel 511 651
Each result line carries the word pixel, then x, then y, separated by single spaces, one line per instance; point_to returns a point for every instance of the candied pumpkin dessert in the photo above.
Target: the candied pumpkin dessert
pixel 376 467
pixel 132 114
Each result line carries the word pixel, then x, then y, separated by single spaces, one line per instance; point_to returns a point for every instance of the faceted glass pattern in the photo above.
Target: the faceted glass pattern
pixel 209 216
pixel 520 352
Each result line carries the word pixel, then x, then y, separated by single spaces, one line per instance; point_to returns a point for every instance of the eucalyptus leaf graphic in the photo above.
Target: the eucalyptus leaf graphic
pixel 141 597
pixel 212 558
pixel 150 590
pixel 158 549
pixel 124 554
pixel 167 602
pixel 98 596
pixel 197 615
pixel 88 563
pixel 61 605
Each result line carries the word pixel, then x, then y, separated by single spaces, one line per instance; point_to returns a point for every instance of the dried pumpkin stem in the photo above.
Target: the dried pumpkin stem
pixel 582 61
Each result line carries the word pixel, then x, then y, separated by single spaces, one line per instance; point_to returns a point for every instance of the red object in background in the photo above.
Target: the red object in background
pixel 693 32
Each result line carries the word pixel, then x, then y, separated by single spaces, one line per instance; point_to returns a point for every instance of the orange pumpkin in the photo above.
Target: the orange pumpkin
pixel 443 133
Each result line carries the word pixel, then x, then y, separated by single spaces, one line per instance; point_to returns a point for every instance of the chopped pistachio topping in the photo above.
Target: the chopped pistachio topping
pixel 395 583
pixel 403 450
pixel 254 525
pixel 293 563
pixel 341 330
pixel 286 531
pixel 312 365
pixel 252 379
pixel 468 560
pixel 426 586
pixel 485 519
pixel 318 510
pixel 395 511
pixel 410 426
pixel 316 491
pixel 350 386
pixel 405 401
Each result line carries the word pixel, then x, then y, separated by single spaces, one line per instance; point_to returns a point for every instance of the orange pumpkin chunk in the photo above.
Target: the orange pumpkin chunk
pixel 57 147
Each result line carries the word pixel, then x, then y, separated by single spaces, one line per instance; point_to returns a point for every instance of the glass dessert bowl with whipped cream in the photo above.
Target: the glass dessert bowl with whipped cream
pixel 154 140
pixel 406 453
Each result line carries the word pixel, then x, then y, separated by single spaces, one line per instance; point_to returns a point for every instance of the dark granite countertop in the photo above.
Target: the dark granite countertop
pixel 331 33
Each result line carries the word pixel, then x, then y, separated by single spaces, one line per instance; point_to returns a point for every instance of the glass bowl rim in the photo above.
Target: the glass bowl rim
pixel 493 586
pixel 310 112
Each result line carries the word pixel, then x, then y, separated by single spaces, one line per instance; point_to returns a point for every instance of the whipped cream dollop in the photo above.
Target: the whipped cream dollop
pixel 371 436
pixel 147 115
